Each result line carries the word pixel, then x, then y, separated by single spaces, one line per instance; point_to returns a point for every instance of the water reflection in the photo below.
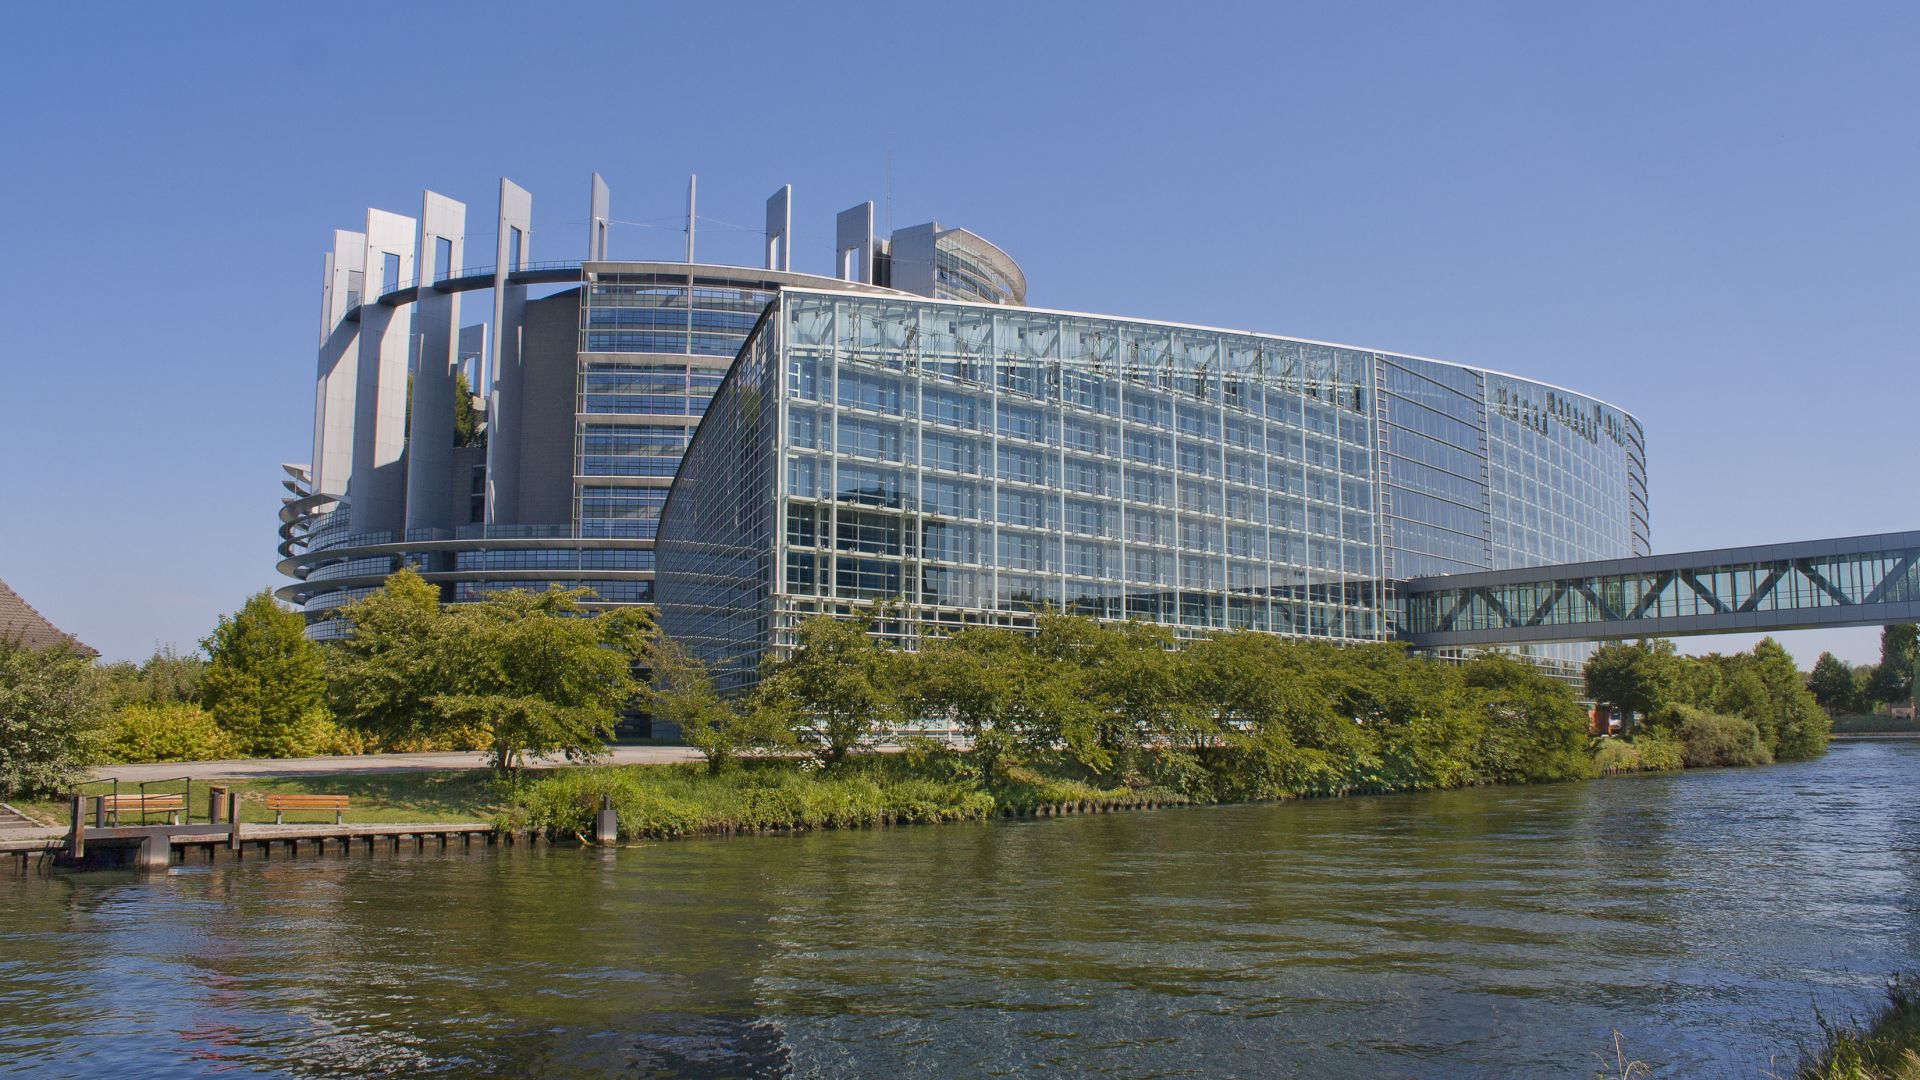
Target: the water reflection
pixel 1497 933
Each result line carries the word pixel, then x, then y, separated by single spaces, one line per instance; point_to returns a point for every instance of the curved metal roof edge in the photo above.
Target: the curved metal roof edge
pixel 1262 334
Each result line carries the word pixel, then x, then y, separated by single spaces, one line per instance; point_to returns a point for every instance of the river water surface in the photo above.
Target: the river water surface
pixel 1497 932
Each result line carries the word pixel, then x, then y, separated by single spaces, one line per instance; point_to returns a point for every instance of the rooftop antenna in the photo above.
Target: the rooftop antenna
pixel 691 179
pixel 889 190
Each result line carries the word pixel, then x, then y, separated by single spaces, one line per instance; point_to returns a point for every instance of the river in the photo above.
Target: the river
pixel 1494 932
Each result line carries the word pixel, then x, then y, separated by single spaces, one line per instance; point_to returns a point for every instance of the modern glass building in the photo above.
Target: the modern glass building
pixel 588 395
pixel 945 464
pixel 747 446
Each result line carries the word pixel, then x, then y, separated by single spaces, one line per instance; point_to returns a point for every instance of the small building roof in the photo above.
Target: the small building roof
pixel 20 622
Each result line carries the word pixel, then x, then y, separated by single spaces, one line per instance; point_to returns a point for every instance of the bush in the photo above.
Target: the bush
pixel 50 718
pixel 1660 754
pixel 669 801
pixel 1709 740
pixel 1643 753
pixel 165 731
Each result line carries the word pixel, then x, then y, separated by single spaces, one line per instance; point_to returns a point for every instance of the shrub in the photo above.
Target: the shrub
pixel 1643 753
pixel 50 718
pixel 165 731
pixel 1708 740
pixel 1659 754
pixel 667 801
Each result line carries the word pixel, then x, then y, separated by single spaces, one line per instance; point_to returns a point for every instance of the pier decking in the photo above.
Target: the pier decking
pixel 155 847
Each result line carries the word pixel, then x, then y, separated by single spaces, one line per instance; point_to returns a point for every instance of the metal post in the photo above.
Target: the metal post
pixel 99 811
pixel 233 822
pixel 606 824
pixel 77 839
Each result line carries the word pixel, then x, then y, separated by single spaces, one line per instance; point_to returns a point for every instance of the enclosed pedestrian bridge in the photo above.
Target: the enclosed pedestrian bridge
pixel 1851 581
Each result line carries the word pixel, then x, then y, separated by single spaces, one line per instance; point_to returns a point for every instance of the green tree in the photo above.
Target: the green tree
pixel 1792 724
pixel 1899 653
pixel 1133 678
pixel 264 682
pixel 1535 730
pixel 51 711
pixel 681 691
pixel 528 674
pixel 535 673
pixel 1269 706
pixel 384 674
pixel 1864 677
pixel 1634 678
pixel 467 429
pixel 836 691
pixel 1013 700
pixel 1832 684
pixel 1422 722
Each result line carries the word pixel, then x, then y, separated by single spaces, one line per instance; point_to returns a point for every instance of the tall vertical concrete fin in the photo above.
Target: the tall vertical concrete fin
pixel 597 220
pixel 511 252
pixel 376 491
pixel 853 244
pixel 443 227
pixel 337 380
pixel 780 229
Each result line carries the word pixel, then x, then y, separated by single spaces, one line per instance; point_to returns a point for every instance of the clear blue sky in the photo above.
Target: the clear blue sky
pixel 1703 213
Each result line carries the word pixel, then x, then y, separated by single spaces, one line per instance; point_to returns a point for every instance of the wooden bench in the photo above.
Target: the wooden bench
pixel 280 804
pixel 170 805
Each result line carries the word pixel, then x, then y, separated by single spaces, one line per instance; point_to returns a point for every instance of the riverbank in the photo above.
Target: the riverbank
pixel 930 786
pixel 654 803
pixel 658 793
pixel 1886 1048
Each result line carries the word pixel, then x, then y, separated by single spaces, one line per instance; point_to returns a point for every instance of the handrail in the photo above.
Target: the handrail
pixel 186 800
pixel 467 273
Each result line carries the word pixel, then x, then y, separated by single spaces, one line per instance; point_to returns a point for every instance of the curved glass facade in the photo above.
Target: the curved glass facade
pixel 973 464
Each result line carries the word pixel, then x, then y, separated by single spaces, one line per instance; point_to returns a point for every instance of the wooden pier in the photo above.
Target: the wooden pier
pixel 156 847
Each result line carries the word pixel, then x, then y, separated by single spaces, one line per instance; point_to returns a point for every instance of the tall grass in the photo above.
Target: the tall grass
pixel 1887 1048
pixel 657 802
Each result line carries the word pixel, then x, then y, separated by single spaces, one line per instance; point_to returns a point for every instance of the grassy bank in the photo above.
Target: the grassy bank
pixel 1875 724
pixel 373 798
pixel 782 794
pixel 1886 1048
pixel 664 801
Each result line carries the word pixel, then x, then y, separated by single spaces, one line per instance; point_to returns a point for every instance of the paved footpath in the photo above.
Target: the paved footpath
pixel 260 768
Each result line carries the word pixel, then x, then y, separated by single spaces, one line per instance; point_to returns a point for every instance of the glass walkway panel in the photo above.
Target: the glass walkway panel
pixel 1851 581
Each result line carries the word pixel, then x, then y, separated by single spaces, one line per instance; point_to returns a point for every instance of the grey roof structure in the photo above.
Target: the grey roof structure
pixel 20 622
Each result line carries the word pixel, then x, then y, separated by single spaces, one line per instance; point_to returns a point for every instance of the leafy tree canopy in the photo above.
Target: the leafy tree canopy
pixel 837 690
pixel 264 682
pixel 529 673
pixel 51 713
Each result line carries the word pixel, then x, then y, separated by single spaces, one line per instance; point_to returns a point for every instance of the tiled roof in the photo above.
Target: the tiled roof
pixel 19 622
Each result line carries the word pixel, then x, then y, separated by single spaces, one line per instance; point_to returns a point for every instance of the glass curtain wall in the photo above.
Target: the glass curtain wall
pixel 959 464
